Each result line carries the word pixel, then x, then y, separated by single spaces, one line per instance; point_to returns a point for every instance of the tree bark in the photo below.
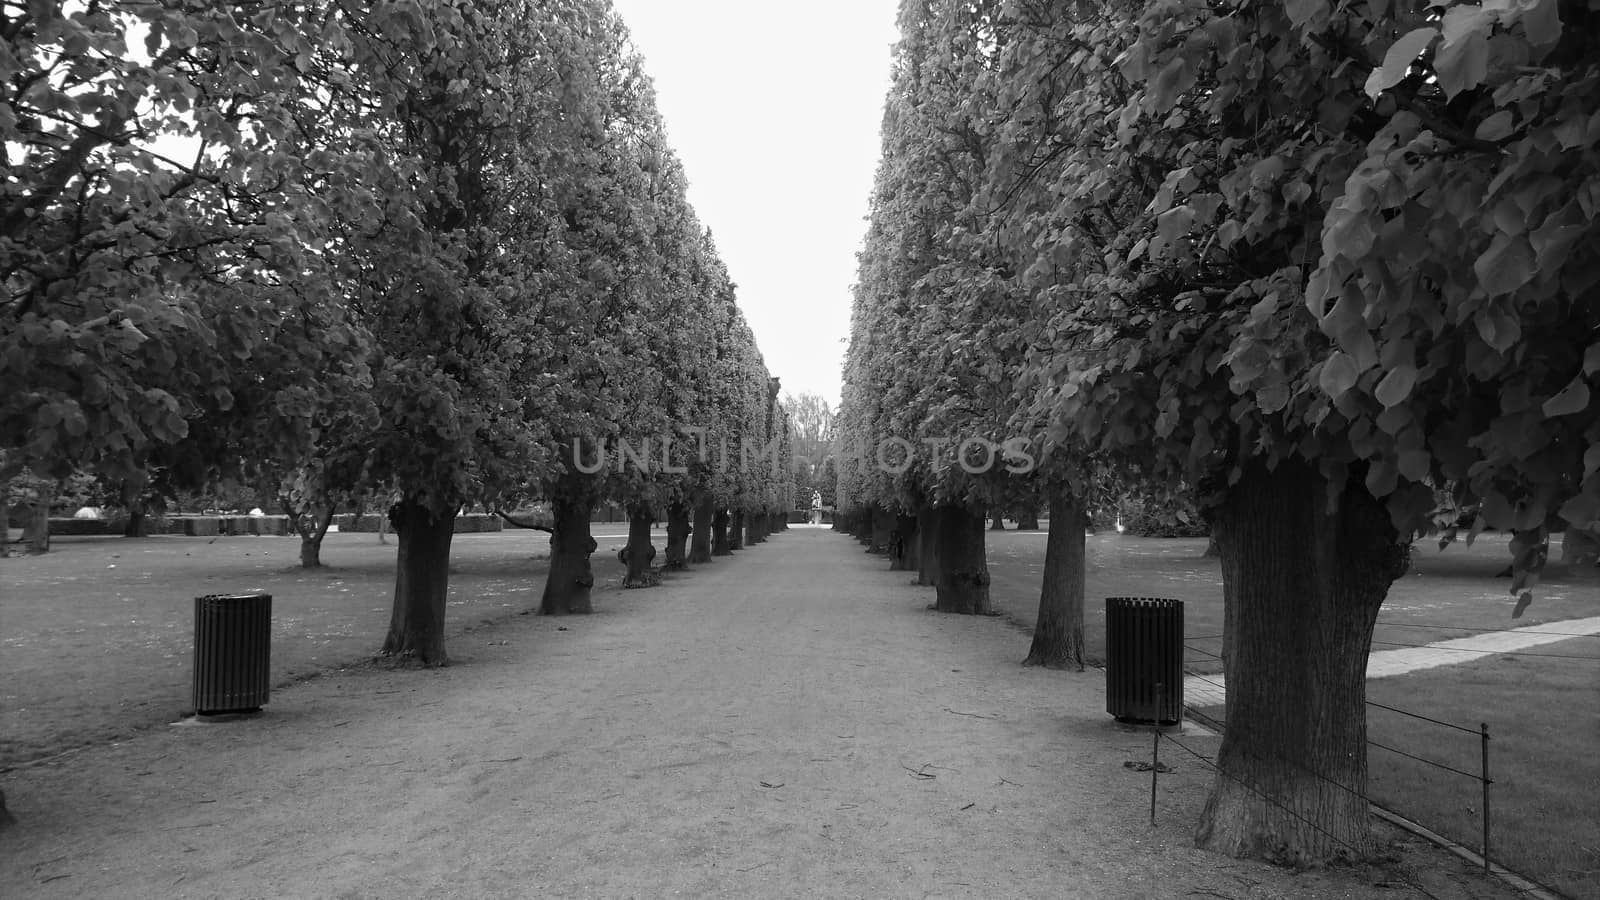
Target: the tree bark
pixel 902 539
pixel 914 545
pixel 999 522
pixel 700 536
pixel 736 530
pixel 882 530
pixel 5 518
pixel 311 539
pixel 963 583
pixel 1211 547
pixel 677 536
pixel 421 583
pixel 927 546
pixel 720 543
pixel 567 586
pixel 36 536
pixel 756 528
pixel 1058 632
pixel 1580 549
pixel 639 552
pixel 1028 519
pixel 137 520
pixel 1302 584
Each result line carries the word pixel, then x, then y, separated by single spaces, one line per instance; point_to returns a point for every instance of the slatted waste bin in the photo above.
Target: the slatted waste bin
pixel 232 645
pixel 1144 660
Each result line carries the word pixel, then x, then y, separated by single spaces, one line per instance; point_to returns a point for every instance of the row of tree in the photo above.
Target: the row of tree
pixel 415 253
pixel 1316 265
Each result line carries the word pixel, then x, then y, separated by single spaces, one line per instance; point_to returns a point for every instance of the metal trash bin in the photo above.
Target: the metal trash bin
pixel 1144 650
pixel 232 652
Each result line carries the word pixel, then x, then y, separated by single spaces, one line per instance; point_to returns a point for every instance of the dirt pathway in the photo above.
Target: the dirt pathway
pixel 791 722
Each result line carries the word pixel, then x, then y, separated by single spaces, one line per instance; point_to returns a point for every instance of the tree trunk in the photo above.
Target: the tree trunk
pixel 1058 632
pixel 36 536
pixel 567 586
pixel 720 543
pixel 311 540
pixel 700 535
pixel 999 522
pixel 914 545
pixel 137 520
pixel 1211 547
pixel 901 541
pixel 1302 584
pixel 421 583
pixel 1028 520
pixel 639 552
pixel 677 536
pixel 5 518
pixel 963 582
pixel 927 546
pixel 882 530
pixel 1580 549
pixel 756 523
pixel 736 531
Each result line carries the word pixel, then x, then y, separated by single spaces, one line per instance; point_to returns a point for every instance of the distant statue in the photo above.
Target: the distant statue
pixel 816 499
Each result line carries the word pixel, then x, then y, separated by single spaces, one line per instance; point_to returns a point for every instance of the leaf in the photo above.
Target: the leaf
pixel 1382 476
pixel 1266 172
pixel 1498 328
pixel 1338 375
pixel 1464 21
pixel 1581 511
pixel 1415 464
pixel 1397 62
pixel 1552 242
pixel 1396 386
pixel 1174 223
pixel 1496 126
pixel 1495 511
pixel 1170 83
pixel 1273 397
pixel 1541 22
pixel 1462 65
pixel 1304 13
pixel 1574 398
pixel 1508 264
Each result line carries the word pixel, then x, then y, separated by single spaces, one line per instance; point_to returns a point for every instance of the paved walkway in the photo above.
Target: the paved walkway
pixel 1210 690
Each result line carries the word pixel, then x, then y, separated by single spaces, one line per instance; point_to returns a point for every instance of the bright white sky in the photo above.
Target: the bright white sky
pixel 774 109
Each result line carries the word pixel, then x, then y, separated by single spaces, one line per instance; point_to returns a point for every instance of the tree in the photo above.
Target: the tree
pixel 127 267
pixel 1198 187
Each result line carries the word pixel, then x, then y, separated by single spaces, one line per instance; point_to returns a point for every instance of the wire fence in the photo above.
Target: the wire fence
pixel 1481 777
pixel 1482 732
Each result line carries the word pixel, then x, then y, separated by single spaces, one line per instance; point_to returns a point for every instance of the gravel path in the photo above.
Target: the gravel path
pixel 790 722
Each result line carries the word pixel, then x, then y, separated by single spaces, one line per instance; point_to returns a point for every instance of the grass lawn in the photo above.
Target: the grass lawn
pixel 1445 594
pixel 97 636
pixel 1543 713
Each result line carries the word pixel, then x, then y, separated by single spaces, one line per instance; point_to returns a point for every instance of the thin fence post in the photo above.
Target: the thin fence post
pixel 1484 727
pixel 1155 755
